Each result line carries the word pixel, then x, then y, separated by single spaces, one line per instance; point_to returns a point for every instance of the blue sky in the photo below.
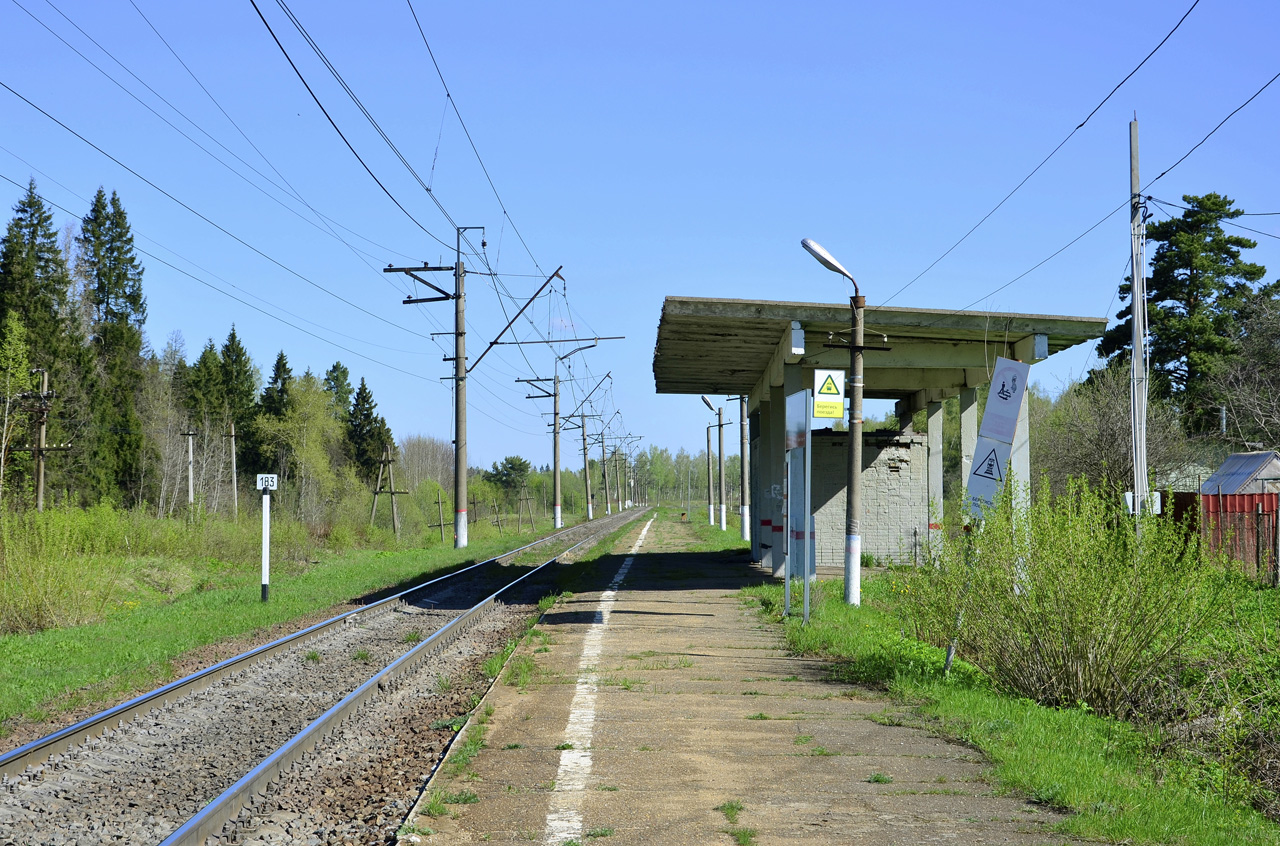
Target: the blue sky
pixel 652 149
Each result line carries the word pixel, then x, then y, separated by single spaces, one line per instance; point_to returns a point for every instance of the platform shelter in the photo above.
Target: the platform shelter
pixel 919 357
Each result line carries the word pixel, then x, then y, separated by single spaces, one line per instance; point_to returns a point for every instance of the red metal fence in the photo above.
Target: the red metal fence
pixel 1245 527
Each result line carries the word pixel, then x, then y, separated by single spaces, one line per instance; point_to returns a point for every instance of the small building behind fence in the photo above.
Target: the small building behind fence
pixel 1239 505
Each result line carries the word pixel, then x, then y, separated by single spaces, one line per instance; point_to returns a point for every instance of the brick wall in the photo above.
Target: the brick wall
pixel 895 511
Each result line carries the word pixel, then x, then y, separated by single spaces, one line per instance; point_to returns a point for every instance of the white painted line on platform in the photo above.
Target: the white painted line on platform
pixel 564 813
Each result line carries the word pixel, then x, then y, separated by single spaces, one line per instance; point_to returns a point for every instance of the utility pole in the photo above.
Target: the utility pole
pixel 1138 299
pixel 459 360
pixel 40 442
pixel 604 473
pixel 191 468
pixel 586 468
pixel 745 507
pixel 41 447
pixel 558 520
pixel 235 486
pixel 711 503
pixel 720 426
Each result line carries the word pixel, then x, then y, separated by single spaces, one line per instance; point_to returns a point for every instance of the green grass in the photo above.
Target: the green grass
pixel 132 648
pixel 731 809
pixel 1099 769
pixel 880 778
pixel 742 836
pixel 599 832
pixel 462 797
pixel 521 672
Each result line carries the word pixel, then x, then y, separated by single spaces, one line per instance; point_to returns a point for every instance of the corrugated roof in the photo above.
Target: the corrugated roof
pixel 1237 471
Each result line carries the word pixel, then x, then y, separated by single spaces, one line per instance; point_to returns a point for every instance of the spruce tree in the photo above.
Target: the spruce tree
pixel 34 277
pixel 367 433
pixel 106 260
pixel 337 383
pixel 240 386
pixel 205 395
pixel 275 397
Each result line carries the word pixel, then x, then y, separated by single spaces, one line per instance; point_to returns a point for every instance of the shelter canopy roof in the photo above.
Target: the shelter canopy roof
pixel 726 346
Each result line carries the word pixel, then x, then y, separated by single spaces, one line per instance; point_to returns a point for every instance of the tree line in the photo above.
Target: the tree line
pixel 119 415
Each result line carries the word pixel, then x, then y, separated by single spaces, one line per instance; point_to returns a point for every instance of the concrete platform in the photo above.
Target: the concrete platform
pixel 676 699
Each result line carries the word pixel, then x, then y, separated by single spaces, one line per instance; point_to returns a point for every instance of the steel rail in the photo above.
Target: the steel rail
pixel 210 820
pixel 16 762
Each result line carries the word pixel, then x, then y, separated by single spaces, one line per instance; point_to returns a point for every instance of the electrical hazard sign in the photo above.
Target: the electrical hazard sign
pixel 828 394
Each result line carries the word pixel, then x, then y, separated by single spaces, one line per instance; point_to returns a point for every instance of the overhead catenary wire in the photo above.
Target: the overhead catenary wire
pixel 1046 159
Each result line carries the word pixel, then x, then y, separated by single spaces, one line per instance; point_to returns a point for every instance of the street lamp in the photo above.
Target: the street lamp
pixel 853 502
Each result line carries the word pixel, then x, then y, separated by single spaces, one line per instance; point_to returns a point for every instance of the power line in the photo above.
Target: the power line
pixel 1166 205
pixel 211 286
pixel 1211 132
pixel 1163 173
pixel 291 192
pixel 1046 158
pixel 207 220
pixel 449 96
pixel 325 112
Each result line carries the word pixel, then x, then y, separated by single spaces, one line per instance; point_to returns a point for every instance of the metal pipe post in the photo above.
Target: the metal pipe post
pixel 723 505
pixel 711 502
pixel 853 503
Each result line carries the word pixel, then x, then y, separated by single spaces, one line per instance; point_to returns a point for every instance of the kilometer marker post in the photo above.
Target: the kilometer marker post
pixel 266 483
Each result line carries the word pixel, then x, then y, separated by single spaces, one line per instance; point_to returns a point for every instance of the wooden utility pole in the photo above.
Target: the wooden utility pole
pixel 389 465
pixel 41 447
pixel 191 468
pixel 235 480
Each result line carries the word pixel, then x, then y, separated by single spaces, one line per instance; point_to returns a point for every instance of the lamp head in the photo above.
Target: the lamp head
pixel 827 260
pixel 711 407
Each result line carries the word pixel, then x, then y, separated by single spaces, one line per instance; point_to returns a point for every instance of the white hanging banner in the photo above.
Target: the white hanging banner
pixel 1000 416
pixel 991 453
pixel 987 475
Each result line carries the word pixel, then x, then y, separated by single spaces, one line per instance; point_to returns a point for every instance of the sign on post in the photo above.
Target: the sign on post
pixel 828 394
pixel 267 482
pixel 991 453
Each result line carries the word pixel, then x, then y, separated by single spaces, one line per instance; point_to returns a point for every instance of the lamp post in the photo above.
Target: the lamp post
pixel 853 502
pixel 719 424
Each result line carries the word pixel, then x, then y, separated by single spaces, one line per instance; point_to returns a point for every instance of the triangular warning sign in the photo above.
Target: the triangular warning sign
pixel 989 467
pixel 829 388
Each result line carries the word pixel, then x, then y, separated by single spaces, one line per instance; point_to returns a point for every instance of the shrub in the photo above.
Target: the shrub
pixel 1068 601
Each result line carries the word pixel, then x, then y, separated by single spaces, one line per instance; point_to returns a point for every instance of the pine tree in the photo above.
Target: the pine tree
pixel 1195 295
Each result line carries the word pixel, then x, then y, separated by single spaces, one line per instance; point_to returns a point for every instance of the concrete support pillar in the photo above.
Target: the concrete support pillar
pixel 777 445
pixel 934 411
pixel 1020 456
pixel 968 430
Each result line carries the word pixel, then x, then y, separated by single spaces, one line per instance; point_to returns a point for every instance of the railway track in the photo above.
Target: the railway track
pixel 320 737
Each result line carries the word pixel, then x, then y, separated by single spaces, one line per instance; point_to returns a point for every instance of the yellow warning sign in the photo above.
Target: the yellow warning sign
pixel 828 399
